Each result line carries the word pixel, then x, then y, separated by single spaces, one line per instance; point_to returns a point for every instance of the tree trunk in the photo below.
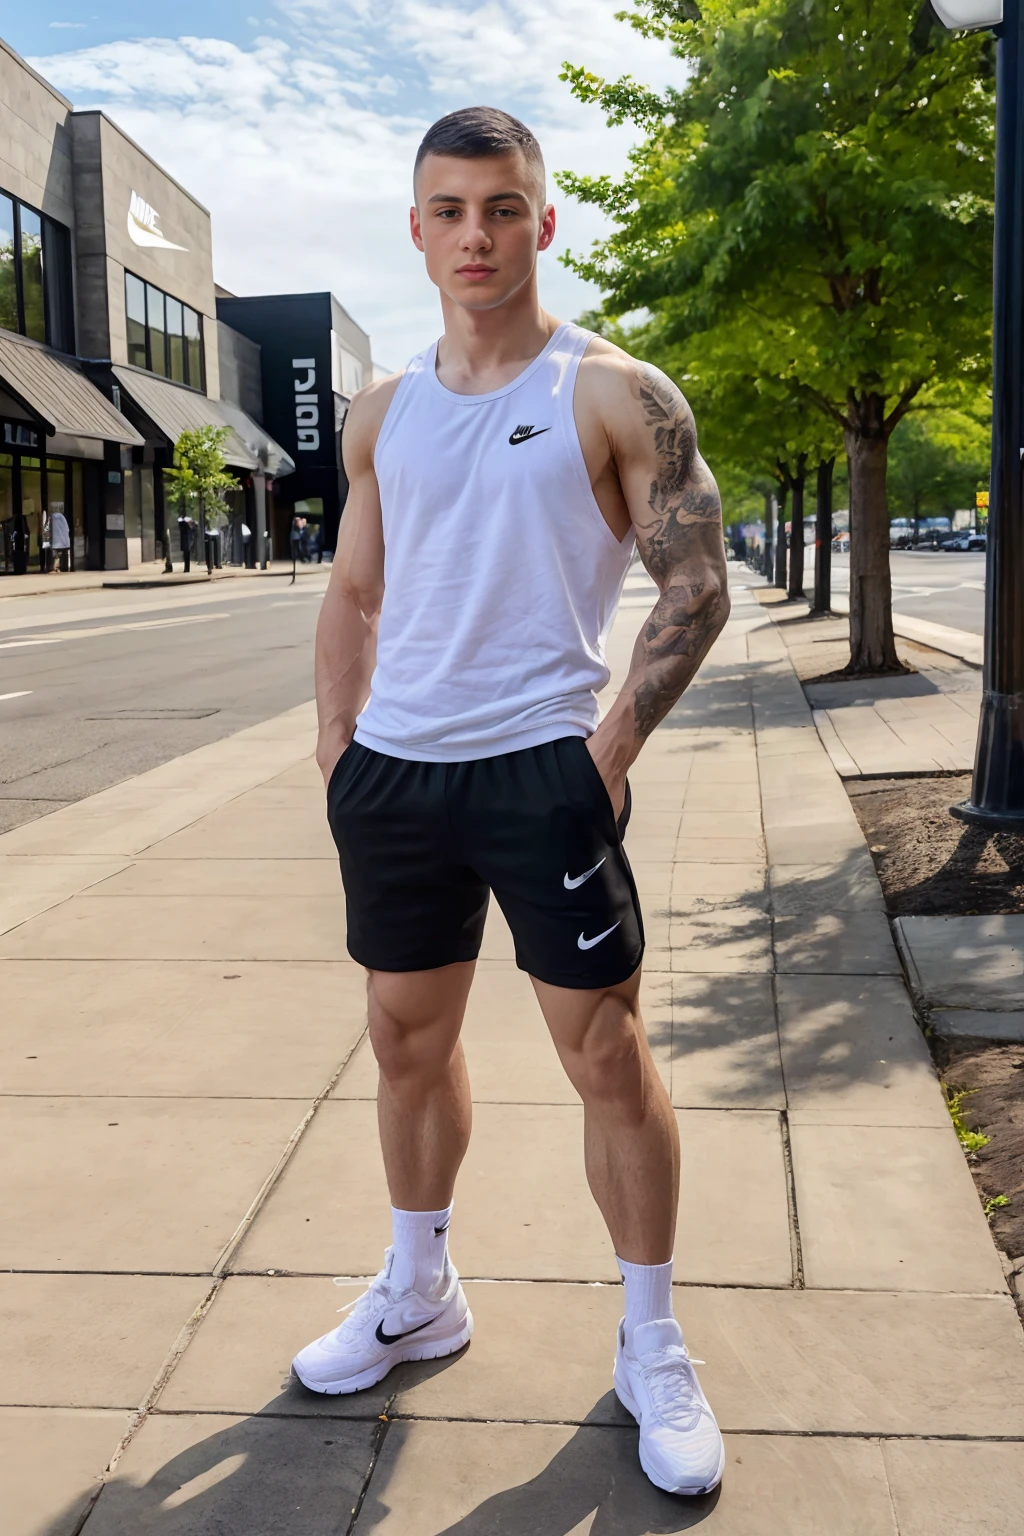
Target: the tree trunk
pixel 780 540
pixel 796 539
pixel 872 643
pixel 769 546
pixel 823 539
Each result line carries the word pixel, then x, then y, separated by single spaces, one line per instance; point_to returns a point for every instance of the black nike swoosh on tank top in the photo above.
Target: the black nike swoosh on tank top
pixel 523 434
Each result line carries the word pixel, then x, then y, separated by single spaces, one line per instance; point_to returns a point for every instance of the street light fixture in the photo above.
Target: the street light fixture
pixel 997 789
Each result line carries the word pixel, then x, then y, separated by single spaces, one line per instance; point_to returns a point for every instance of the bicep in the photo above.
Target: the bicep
pixel 670 491
pixel 358 565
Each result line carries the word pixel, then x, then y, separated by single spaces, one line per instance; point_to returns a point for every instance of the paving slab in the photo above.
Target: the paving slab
pixel 29 886
pixel 523 1210
pixel 837 944
pixel 97 927
pixel 555 1480
pixel 276 878
pixel 89 1341
pixel 190 1029
pixel 51 1466
pixel 857 1049
pixel 700 888
pixel 237 832
pixel 965 962
pixel 778 1361
pixel 889 1208
pixel 850 885
pixel 208 1474
pixel 735 939
pixel 956 1488
pixel 118 1184
pixel 725 1046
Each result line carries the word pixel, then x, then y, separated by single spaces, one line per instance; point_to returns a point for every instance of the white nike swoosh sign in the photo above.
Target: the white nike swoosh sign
pixel 589 943
pixel 571 885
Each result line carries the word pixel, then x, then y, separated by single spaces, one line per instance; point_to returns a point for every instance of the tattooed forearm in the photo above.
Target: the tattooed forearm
pixel 681 544
pixel 678 635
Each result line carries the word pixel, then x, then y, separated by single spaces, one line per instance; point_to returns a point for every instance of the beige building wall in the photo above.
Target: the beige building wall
pixel 35 142
pixel 109 168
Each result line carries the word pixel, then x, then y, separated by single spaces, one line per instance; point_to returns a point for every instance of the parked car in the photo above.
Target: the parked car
pixel 966 539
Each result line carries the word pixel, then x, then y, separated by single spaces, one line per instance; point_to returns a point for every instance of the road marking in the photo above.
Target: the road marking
pixel 53 637
pixel 23 693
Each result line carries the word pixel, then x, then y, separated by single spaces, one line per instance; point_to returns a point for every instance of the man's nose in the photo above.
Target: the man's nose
pixel 474 236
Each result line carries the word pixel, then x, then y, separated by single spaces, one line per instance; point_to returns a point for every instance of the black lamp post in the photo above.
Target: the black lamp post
pixel 997 790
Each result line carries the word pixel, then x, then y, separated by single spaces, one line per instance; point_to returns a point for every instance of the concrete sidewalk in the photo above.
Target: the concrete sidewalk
pixel 149 576
pixel 187 1119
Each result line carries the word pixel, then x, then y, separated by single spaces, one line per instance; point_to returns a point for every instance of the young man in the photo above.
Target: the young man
pixel 496 489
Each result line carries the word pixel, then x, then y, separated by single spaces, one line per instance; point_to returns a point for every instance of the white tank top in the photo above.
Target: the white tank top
pixel 501 576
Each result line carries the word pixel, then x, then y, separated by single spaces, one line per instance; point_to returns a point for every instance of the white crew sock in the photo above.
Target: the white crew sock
pixel 648 1294
pixel 423 1237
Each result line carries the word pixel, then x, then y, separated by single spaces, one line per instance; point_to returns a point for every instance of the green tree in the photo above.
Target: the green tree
pixel 823 175
pixel 198 479
pixel 937 464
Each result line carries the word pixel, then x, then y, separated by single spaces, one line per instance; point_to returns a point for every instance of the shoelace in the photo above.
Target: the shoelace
pixel 673 1388
pixel 369 1298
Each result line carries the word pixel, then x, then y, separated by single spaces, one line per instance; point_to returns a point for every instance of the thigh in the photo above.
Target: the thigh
pixel 540 829
pixel 412 904
pixel 415 1017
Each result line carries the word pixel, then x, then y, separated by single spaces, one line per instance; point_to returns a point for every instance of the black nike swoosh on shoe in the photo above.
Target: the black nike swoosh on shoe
pixel 523 434
pixel 393 1338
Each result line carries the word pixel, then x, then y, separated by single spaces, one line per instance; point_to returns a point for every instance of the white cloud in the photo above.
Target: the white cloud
pixel 301 144
pixel 67 26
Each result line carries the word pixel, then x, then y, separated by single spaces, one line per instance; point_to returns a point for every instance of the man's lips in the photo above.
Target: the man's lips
pixel 475 273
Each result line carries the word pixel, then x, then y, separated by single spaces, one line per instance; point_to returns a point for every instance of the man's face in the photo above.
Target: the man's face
pixel 480 224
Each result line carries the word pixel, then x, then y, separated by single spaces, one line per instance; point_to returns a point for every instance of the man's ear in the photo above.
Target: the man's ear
pixel 547 227
pixel 414 227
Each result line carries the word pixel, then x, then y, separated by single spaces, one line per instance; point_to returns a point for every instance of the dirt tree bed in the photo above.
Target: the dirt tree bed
pixel 991 1074
pixel 927 861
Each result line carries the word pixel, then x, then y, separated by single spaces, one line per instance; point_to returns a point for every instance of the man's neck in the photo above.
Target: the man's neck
pixel 483 350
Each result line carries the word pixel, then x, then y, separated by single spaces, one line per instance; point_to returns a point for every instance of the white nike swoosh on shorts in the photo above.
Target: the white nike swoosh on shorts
pixel 589 943
pixel 571 885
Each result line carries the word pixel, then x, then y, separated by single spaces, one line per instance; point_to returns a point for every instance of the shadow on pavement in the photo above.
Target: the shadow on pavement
pixel 268 1475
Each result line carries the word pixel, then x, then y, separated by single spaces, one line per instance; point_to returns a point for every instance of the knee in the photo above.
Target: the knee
pixel 413 1047
pixel 608 1066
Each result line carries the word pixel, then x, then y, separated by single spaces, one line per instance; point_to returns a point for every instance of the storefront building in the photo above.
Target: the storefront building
pixel 313 359
pixel 109 340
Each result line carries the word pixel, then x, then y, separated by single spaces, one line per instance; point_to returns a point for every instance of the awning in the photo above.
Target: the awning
pixel 176 409
pixel 59 395
pixel 273 459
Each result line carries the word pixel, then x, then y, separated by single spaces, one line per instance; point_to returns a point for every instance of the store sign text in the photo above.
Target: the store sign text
pixel 307 409
pixel 144 225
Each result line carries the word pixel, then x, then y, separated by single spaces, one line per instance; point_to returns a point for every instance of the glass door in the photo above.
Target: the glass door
pixel 7 529
pixel 32 511
pixel 58 518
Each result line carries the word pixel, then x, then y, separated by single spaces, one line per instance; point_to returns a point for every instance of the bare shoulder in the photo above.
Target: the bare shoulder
pixel 630 396
pixel 366 417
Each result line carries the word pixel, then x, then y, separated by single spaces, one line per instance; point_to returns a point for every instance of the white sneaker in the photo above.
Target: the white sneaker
pixel 681 1447
pixel 389 1323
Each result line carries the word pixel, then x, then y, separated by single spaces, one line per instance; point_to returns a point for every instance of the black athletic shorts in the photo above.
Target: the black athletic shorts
pixel 422 844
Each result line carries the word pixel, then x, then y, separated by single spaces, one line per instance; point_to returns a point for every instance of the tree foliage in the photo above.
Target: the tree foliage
pixel 819 190
pixel 198 478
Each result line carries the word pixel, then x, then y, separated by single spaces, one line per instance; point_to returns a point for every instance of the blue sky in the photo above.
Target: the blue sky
pixel 296 123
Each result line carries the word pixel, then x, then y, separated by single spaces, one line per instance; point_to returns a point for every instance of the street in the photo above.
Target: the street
pixel 944 588
pixel 98 686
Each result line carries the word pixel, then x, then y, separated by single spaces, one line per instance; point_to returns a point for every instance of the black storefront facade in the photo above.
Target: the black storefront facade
pixel 313 359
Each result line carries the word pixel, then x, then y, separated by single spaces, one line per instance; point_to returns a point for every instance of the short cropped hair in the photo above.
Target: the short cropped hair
pixel 473 133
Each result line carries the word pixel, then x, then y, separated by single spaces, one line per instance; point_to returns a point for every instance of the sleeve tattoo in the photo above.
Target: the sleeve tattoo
pixel 681 545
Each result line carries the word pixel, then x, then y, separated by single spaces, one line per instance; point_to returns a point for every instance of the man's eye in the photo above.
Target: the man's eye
pixel 447 213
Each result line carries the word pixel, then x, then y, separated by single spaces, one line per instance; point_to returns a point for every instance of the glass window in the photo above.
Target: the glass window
pixel 132 506
pixel 8 270
pixel 32 274
pixel 60 322
pixel 147 511
pixel 135 314
pixel 175 340
pixel 194 348
pixel 155 318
